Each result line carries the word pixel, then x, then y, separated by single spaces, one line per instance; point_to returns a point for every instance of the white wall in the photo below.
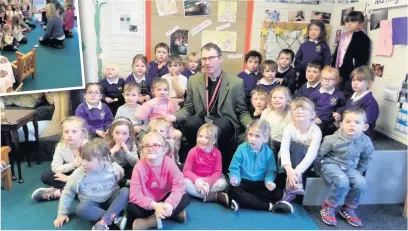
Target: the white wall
pixel 117 49
pixel 395 66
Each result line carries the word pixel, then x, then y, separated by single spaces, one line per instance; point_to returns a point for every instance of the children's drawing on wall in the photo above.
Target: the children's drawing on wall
pixel 166 7
pixel 227 11
pixel 403 94
pixel 179 42
pixel 344 14
pixel 376 18
pixel 338 35
pixel 196 7
pixel 272 15
pixel 125 20
pixel 296 15
pixel 378 69
pixel 125 24
pixel 321 16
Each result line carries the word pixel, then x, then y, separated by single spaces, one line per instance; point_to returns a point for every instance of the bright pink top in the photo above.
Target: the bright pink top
pixel 156 108
pixel 69 20
pixel 201 164
pixel 153 183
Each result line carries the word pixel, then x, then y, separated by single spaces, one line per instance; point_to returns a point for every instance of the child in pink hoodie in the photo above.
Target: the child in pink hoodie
pixel 157 188
pixel 203 167
pixel 69 20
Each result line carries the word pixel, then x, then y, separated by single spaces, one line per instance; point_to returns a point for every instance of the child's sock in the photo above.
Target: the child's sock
pixel 270 206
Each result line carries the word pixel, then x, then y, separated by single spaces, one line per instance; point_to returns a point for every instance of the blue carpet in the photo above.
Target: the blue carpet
pixel 20 212
pixel 56 68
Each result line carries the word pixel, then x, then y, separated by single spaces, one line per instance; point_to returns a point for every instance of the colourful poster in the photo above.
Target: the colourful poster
pixel 227 11
pixel 226 40
pixel 384 43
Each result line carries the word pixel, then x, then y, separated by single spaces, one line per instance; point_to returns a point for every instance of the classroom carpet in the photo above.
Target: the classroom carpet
pixel 56 68
pixel 20 212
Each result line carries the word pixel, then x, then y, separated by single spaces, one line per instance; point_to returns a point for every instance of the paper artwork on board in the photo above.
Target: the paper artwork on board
pixel 384 42
pixel 376 18
pixel 196 7
pixel 399 31
pixel 378 69
pixel 166 7
pixel 401 124
pixel 222 27
pixel 227 11
pixel 201 27
pixel 125 20
pixel 226 40
pixel 179 42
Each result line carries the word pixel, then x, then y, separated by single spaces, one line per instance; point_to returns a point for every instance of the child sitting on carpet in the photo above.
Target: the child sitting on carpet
pixel 193 65
pixel 9 43
pixel 177 82
pixel 158 67
pixel 268 81
pixel 157 188
pixel 96 184
pixel 17 31
pixel 343 158
pixel 123 151
pixel 300 144
pixel 139 66
pixel 65 160
pixel 203 167
pixel 112 88
pixel 165 129
pixel 96 114
pixel 258 102
pixel 252 173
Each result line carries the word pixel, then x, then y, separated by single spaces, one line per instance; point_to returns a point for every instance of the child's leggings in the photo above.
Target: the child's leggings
pixel 218 186
pixel 134 211
pixel 48 178
pixel 253 195
pixel 94 211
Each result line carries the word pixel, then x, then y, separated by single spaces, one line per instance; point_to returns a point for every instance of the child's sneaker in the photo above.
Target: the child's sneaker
pixel 351 216
pixel 234 205
pixel 44 194
pixel 181 217
pixel 298 188
pixel 329 215
pixel 282 207
pixel 288 195
pixel 120 222
pixel 220 197
pixel 100 226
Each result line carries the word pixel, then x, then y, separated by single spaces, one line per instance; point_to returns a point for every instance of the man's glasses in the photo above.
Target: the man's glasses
pixel 209 58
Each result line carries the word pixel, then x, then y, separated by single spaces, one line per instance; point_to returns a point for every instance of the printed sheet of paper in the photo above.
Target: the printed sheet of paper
pixel 384 43
pixel 401 124
pixel 227 11
pixel 201 27
pixel 126 19
pixel 399 31
pixel 226 40
pixel 166 7
pixel 172 30
pixel 222 27
pixel 235 56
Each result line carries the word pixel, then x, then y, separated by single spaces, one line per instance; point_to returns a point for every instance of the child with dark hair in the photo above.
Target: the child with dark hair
pixel 158 67
pixel 140 67
pixel 286 74
pixel 268 70
pixel 251 75
pixel 315 48
pixel 313 71
pixel 353 50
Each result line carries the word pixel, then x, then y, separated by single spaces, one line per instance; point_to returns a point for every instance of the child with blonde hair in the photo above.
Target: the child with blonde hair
pixel 193 65
pixel 17 31
pixel 54 36
pixel 94 112
pixel 300 144
pixel 277 115
pixel 177 82
pixel 112 88
pixel 362 79
pixel 258 102
pixel 157 188
pixel 123 151
pixel 96 184
pixel 328 101
pixel 203 167
pixel 252 173
pixel 65 160
pixel 140 67
pixel 9 43
pixel 164 128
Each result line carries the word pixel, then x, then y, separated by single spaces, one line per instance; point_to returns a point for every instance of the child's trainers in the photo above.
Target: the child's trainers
pixel 234 205
pixel 351 216
pixel 44 194
pixel 100 226
pixel 288 195
pixel 120 222
pixel 328 215
pixel 282 207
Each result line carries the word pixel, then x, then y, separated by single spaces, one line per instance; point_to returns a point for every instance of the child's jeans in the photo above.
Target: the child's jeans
pixel 218 186
pixel 94 211
pixel 343 182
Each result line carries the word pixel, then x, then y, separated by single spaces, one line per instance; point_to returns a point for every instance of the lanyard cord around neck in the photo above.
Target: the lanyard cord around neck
pixel 210 104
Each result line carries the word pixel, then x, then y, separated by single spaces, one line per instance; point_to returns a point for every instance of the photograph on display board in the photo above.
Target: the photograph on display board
pixel 320 16
pixel 296 15
pixel 338 35
pixel 376 17
pixel 273 15
pixel 196 7
pixel 378 69
pixel 179 42
pixel 344 14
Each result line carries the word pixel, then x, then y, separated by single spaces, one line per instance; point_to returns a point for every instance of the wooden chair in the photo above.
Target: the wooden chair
pixel 25 65
pixel 6 174
pixel 16 90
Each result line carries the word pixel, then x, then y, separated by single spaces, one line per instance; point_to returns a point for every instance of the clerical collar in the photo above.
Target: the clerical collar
pixel 215 79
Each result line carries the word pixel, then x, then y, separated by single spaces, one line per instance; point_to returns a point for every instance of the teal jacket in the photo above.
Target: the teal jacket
pixel 253 166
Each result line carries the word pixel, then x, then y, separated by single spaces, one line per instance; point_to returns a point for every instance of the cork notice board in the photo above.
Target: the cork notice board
pixel 162 24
